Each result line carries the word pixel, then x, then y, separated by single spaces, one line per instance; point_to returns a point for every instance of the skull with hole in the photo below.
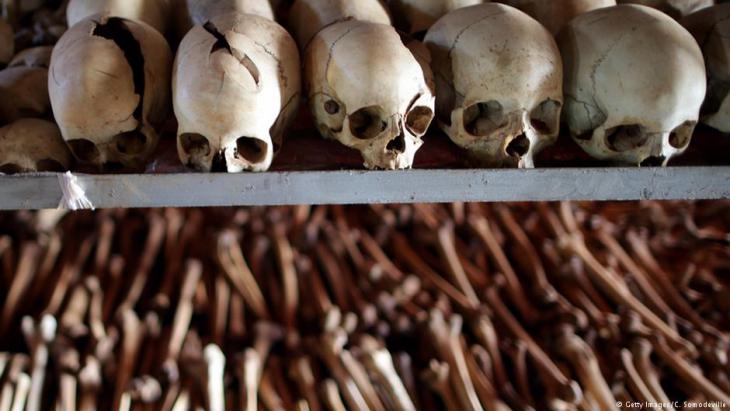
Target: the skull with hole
pixel 189 13
pixel 236 87
pixel 110 91
pixel 33 57
pixel 556 14
pixel 25 93
pixel 153 12
pixel 371 90
pixel 711 29
pixel 498 83
pixel 7 42
pixel 634 84
pixel 32 145
pixel 417 16
pixel 308 17
pixel 675 8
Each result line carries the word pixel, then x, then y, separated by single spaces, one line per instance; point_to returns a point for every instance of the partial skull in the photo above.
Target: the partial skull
pixel 675 8
pixel 417 16
pixel 7 42
pixel 711 28
pixel 499 83
pixel 33 57
pixel 370 91
pixel 236 87
pixel 635 81
pixel 189 13
pixel 24 92
pixel 308 17
pixel 32 145
pixel 42 27
pixel 109 84
pixel 153 12
pixel 556 14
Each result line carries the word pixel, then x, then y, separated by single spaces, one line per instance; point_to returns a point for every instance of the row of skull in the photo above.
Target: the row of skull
pixel 629 81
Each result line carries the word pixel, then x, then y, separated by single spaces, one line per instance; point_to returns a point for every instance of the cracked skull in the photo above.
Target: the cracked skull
pixel 236 87
pixel 370 91
pixel 498 83
pixel 555 14
pixel 153 12
pixel 711 28
pixel 32 145
pixel 634 84
pixel 308 17
pixel 109 84
pixel 675 8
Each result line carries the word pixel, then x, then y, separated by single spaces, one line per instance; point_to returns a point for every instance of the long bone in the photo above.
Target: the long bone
pixel 613 285
pixel 39 337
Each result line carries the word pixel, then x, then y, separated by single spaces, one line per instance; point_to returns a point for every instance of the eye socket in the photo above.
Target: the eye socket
pixel 131 143
pixel 545 118
pixel 626 137
pixel 682 135
pixel 10 169
pixel 84 150
pixel 251 149
pixel 482 119
pixel 331 107
pixel 366 123
pixel 418 120
pixel 50 165
pixel 195 144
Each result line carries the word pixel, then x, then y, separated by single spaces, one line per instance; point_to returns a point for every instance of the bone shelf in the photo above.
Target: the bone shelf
pixel 310 170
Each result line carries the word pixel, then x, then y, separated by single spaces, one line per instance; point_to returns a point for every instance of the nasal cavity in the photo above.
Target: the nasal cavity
pixel 131 143
pixel 397 145
pixel 518 147
pixel 251 149
pixel 654 161
pixel 84 150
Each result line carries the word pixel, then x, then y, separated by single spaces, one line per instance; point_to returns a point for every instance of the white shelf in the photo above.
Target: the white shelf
pixel 355 187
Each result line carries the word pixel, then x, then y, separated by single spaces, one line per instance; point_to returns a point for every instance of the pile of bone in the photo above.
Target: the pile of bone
pixel 548 307
pixel 628 82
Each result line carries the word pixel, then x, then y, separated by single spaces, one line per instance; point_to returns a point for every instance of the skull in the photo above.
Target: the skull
pixel 711 28
pixel 417 16
pixel 25 93
pixel 308 17
pixel 29 145
pixel 557 13
pixel 634 84
pixel 33 57
pixel 7 42
pixel 498 83
pixel 370 91
pixel 189 13
pixel 675 8
pixel 109 87
pixel 236 87
pixel 153 12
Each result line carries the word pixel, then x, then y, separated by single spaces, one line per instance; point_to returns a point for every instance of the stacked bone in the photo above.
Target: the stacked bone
pixel 492 77
pixel 549 307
